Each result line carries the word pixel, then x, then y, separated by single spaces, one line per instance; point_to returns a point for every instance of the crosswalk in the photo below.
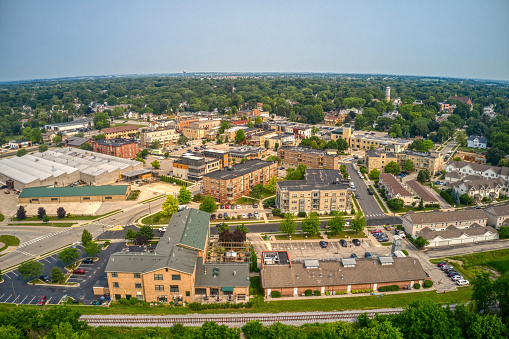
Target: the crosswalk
pixel 375 215
pixel 24 253
pixel 32 241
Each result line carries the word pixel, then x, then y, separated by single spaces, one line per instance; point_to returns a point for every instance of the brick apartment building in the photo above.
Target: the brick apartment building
pixel 119 131
pixel 184 124
pixel 236 181
pixel 312 158
pixel 124 148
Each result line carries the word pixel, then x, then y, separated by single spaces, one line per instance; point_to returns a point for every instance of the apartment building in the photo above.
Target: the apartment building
pixel 193 167
pixel 312 158
pixel 485 171
pixel 394 189
pixel 366 141
pixel 498 215
pixel 452 235
pixel 439 221
pixel 223 156
pixel 166 137
pixel 177 271
pixel 119 131
pixel 282 139
pixel 123 148
pixel 246 152
pixel 479 189
pixel 432 161
pixel 321 191
pixel 184 123
pixel 258 138
pixel 236 181
pixel 230 133
pixel 421 191
pixel 378 158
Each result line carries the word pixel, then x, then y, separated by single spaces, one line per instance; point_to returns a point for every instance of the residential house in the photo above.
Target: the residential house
pixel 498 215
pixel 480 189
pixel 475 141
pixel 453 235
pixel 439 220
pixel 422 192
pixel 485 171
pixel 394 189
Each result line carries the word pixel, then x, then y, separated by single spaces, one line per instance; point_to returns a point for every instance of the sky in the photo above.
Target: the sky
pixel 452 38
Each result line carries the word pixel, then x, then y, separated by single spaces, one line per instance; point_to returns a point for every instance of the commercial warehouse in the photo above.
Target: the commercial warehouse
pixel 44 195
pixel 63 167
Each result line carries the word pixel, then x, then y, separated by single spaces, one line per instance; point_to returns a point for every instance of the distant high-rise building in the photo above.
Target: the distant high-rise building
pixel 388 93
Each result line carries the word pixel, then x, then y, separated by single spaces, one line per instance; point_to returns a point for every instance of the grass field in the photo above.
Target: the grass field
pixel 8 240
pixel 375 193
pixel 156 219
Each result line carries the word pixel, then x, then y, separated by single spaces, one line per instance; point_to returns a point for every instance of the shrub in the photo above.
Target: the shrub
pixel 123 301
pixel 326 292
pixel 308 293
pixel 427 284
pixel 107 243
pixel 447 197
pixel 503 232
pixel 276 212
pixel 317 292
pixel 417 286
pixel 389 288
pixel 275 294
pixel 301 214
pixel 133 301
pixel 405 252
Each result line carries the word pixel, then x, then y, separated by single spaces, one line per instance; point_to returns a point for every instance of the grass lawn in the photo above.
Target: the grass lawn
pixel 357 208
pixel 297 236
pixel 53 224
pixel 8 240
pixel 470 149
pixel 72 217
pixel 415 209
pixel 245 201
pixel 157 219
pixel 347 234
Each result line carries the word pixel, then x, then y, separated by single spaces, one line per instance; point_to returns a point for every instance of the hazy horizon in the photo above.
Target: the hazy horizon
pixel 60 39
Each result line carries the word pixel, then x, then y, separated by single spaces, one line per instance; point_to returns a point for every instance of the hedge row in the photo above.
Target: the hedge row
pixel 172 180
pixel 337 292
pixel 198 307
pixel 362 291
pixel 389 288
pixel 447 197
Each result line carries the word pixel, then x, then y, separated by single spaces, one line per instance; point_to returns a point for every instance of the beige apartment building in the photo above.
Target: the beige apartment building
pixel 119 131
pixel 432 161
pixel 312 158
pixel 439 221
pixel 321 191
pixel 369 140
pixel 193 167
pixel 199 129
pixel 166 137
pixel 177 270
pixel 377 159
pixel 236 181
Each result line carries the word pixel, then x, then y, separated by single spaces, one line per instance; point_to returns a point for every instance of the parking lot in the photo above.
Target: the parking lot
pixel 244 209
pixel 308 249
pixel 16 290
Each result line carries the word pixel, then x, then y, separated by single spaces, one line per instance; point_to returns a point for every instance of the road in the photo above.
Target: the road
pixel 372 212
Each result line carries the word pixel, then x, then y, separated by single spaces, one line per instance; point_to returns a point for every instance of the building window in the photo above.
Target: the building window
pixel 115 285
pixel 54 199
pixel 188 293
pixel 86 198
pixel 114 274
pixel 158 277
pixel 159 287
pixel 174 288
pixel 137 285
pixel 107 198
pixel 137 275
pixel 175 277
pixel 118 296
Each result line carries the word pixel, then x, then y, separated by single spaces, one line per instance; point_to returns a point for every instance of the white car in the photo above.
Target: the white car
pixel 457 277
pixel 161 158
pixel 243 216
pixel 162 229
pixel 238 207
pixel 462 282
pixel 347 223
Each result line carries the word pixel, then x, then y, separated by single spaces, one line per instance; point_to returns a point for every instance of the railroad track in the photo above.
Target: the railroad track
pixel 234 320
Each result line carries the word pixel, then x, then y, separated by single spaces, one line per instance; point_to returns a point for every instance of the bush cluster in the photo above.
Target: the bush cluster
pixel 172 180
pixel 427 284
pixel 389 288
pixel 317 293
pixel 417 286
pixel 198 306
pixel 275 294
pixel 301 214
pixel 362 291
pixel 308 293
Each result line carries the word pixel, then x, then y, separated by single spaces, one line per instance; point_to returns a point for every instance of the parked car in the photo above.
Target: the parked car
pixel 42 300
pixel 243 216
pixel 440 264
pixel 255 205
pixel 446 267
pixel 457 277
pixel 88 261
pixel 256 213
pixel 376 231
pixel 370 192
pixel 225 215
pixel 220 224
pixel 462 282
pixel 162 229
pixel 232 207
pixel 97 303
pixel 250 215
pixel 213 217
pixel 78 271
pixel 357 196
pixel 354 255
pixel 221 207
pixel 238 207
pixel 343 243
pixel 347 223
pixel 220 216
pixel 323 244
pixel 356 242
pixel 44 278
pixel 383 239
pixel 104 298
pixel 368 255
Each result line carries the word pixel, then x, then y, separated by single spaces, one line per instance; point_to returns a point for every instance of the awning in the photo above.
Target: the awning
pixel 227 289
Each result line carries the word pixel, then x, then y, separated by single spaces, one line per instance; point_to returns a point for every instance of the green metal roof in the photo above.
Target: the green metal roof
pixel 80 191
pixel 227 289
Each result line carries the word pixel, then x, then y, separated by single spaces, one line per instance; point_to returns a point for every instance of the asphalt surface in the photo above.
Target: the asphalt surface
pixel 15 289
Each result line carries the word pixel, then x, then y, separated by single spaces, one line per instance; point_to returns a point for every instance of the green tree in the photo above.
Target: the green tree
pixel 276 146
pixel 311 224
pixel 288 225
pixel 408 165
pixel 130 234
pixel 170 206
pixel 86 237
pixel 208 204
pixel 336 225
pixel 240 136
pixel 184 195
pixel 258 120
pixel 182 140
pixel 396 131
pixel 57 275
pixel 342 144
pixel 483 292
pixel 358 222
pixel 224 126
pixel 250 123
pixel 41 212
pixel 502 292
pixel 21 214
pixel 45 218
pixel 392 167
pixel 43 148
pixel 380 330
pixel 241 228
pixel 146 232
pixel 30 269
pixel 57 139
pixel 420 242
pixel 423 176
pixel 395 204
pixel 21 152
pixel 69 255
pixel 156 144
pixel 273 158
pixel 92 248
pixel 493 155
pixel 374 174
pixel 256 191
pixel 271 186
pixel 363 170
pixel 61 213
pixel 87 147
pixel 155 164
pixel 166 155
pixel 421 204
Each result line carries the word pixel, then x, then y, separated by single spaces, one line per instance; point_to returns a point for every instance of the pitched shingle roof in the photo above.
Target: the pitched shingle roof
pixel 454 232
pixel 421 191
pixel 394 185
pixel 447 217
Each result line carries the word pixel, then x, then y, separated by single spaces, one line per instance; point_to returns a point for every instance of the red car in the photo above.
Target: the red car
pixel 376 231
pixel 42 300
pixel 78 271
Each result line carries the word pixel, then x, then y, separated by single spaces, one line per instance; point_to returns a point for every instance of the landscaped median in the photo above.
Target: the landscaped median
pixel 375 193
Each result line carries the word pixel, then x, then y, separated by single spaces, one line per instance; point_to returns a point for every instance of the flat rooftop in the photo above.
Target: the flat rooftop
pixel 72 123
pixel 37 192
pixel 116 142
pixel 309 150
pixel 239 170
pixel 316 179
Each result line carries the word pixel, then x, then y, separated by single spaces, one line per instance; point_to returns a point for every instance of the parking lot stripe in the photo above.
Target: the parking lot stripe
pixel 23 299
pixel 5 275
pixel 49 300
pixel 13 273
pixel 15 299
pixel 7 298
pixel 2 296
pixel 31 300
